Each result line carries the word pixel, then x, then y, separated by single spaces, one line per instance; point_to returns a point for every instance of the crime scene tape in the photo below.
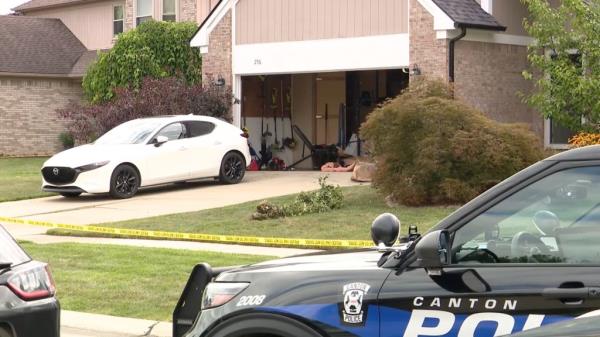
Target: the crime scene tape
pixel 231 239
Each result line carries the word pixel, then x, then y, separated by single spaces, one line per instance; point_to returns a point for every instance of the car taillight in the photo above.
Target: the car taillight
pixel 33 284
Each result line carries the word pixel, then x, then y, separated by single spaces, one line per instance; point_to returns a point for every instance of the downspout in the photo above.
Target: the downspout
pixel 451 45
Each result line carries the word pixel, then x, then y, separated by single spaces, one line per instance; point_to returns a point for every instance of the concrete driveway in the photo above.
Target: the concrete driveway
pixel 188 197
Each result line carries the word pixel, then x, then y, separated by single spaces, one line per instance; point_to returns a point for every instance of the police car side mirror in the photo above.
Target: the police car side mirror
pixel 385 230
pixel 433 251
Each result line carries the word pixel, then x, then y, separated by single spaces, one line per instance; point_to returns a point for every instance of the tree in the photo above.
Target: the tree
pixel 155 49
pixel 566 55
pixel 154 97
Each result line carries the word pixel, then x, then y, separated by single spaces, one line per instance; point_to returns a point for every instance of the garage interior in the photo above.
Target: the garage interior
pixel 328 108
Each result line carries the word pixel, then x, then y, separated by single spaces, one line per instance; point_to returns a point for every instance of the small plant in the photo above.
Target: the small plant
pixel 67 140
pixel 325 199
pixel 584 139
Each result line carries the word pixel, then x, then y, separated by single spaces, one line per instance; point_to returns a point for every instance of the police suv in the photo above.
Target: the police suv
pixel 524 254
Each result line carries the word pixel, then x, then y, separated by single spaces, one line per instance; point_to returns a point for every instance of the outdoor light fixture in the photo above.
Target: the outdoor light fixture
pixel 220 81
pixel 415 71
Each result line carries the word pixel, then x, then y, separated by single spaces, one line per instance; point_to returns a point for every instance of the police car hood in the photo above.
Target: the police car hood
pixel 321 262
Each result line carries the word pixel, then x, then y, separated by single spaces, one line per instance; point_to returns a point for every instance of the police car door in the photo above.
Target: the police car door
pixel 528 257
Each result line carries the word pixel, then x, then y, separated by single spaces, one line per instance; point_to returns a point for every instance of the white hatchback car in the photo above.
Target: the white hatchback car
pixel 150 151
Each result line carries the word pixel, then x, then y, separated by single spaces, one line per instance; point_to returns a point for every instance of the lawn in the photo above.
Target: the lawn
pixel 20 178
pixel 124 281
pixel 361 205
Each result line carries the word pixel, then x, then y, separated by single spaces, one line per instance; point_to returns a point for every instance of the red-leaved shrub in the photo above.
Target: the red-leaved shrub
pixel 155 97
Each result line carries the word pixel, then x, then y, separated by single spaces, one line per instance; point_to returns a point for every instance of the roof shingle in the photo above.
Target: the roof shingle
pixel 468 13
pixel 40 46
pixel 38 4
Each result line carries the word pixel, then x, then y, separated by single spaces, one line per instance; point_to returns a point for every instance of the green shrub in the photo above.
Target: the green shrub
pixel 66 139
pixel 433 149
pixel 326 198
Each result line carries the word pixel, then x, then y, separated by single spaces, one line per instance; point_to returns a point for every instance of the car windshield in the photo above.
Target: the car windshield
pixel 132 132
pixel 10 252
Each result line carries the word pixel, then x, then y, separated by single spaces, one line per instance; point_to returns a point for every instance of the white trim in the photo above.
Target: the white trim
pixel 327 55
pixel 481 35
pixel 237 94
pixel 488 6
pixel 201 38
pixel 441 21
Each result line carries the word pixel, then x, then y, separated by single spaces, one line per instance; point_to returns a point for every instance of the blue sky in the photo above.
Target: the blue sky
pixel 6 5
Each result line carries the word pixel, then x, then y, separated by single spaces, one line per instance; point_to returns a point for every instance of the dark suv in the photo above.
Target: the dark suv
pixel 28 307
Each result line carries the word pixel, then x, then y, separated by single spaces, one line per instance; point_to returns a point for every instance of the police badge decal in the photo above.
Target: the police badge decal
pixel 353 311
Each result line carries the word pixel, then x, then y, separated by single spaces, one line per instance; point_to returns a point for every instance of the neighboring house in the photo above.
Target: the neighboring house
pixel 41 66
pixel 45 50
pixel 327 63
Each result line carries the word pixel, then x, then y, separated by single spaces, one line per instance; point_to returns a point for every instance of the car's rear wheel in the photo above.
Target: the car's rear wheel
pixel 68 195
pixel 124 182
pixel 233 168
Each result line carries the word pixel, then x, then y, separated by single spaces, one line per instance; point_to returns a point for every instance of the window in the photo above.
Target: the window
pixel 198 128
pixel 173 131
pixel 554 220
pixel 143 11
pixel 169 10
pixel 117 20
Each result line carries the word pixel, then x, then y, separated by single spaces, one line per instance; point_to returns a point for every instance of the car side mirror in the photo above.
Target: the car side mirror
pixel 433 251
pixel 160 140
pixel 385 230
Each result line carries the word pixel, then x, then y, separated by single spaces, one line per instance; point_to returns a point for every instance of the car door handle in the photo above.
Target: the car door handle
pixel 182 148
pixel 217 142
pixel 571 296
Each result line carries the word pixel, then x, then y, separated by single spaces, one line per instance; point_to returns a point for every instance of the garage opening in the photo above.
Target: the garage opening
pixel 281 112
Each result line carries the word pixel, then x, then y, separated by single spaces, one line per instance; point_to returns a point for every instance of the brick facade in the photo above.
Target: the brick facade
pixel 187 10
pixel 488 76
pixel 29 123
pixel 428 52
pixel 217 62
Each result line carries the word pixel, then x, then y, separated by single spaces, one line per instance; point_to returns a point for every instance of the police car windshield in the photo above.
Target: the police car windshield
pixel 10 252
pixel 132 132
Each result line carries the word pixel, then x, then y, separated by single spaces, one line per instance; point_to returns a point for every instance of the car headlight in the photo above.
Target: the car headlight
pixel 217 294
pixel 92 166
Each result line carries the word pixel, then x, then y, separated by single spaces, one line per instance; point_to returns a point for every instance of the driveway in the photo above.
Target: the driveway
pixel 192 196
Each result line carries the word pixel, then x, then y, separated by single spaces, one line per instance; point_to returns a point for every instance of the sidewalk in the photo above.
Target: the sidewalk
pixel 78 324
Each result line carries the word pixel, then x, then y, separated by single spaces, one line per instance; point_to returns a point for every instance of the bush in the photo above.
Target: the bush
pixel 156 49
pixel 584 139
pixel 155 97
pixel 66 139
pixel 432 149
pixel 326 198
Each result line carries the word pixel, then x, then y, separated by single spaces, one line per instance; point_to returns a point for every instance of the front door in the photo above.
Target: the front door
pixel 529 259
pixel 330 96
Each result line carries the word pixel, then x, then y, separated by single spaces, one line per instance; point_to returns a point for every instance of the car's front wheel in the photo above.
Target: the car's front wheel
pixel 124 182
pixel 233 168
pixel 70 194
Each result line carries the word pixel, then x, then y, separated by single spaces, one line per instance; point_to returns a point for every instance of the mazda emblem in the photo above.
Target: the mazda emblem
pixel 55 171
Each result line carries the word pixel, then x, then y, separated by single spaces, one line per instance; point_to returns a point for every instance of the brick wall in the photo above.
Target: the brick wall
pixel 129 15
pixel 217 62
pixel 29 125
pixel 187 10
pixel 426 50
pixel 488 76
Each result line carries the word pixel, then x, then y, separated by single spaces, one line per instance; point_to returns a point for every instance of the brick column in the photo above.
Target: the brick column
pixel 426 50
pixel 217 62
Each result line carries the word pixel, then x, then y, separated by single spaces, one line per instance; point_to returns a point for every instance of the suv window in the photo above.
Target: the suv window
pixel 10 250
pixel 173 131
pixel 199 128
pixel 554 220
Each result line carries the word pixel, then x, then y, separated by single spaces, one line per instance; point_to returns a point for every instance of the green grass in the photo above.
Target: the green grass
pixel 124 281
pixel 20 178
pixel 361 205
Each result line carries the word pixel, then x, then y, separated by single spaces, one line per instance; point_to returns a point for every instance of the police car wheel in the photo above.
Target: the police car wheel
pixel 259 325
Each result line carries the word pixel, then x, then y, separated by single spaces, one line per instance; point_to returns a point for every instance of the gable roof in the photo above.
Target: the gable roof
pixel 40 46
pixel 468 13
pixel 39 4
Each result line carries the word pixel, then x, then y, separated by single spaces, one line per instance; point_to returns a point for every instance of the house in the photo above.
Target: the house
pixel 325 64
pixel 41 66
pixel 45 50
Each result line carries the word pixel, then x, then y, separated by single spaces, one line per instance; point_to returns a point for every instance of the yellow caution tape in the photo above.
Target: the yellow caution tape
pixel 232 239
